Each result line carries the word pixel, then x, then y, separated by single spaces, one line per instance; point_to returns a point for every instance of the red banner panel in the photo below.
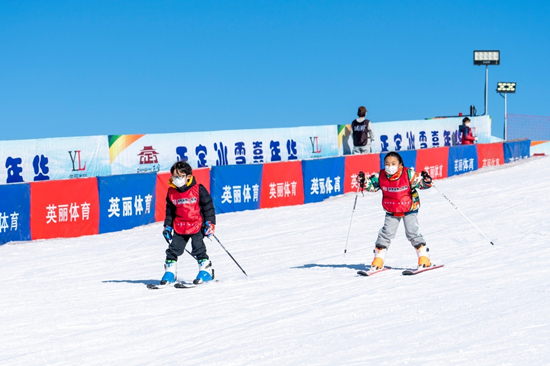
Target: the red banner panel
pixel 490 154
pixel 64 208
pixel 368 163
pixel 434 161
pixel 202 176
pixel 282 184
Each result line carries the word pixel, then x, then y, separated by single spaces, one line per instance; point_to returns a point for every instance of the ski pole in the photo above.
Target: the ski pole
pixel 433 185
pixel 349 229
pixel 230 255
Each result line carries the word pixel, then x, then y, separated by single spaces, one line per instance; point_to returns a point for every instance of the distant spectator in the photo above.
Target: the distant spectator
pixel 466 132
pixel 362 133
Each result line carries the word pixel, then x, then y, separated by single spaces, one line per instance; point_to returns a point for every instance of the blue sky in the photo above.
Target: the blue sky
pixel 79 68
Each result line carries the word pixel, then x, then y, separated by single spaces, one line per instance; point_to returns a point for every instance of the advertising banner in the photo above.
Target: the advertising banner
pixel 323 178
pixel 64 209
pixel 157 152
pixel 202 176
pixel 282 184
pixel 53 159
pixel 433 161
pixel 516 150
pixel 15 213
pixel 462 159
pixel 236 187
pixel 417 134
pixel 366 163
pixel 126 201
pixel 409 158
pixel 490 154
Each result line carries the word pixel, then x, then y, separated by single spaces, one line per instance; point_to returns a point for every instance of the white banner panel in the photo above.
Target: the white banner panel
pixel 157 152
pixel 420 134
pixel 53 159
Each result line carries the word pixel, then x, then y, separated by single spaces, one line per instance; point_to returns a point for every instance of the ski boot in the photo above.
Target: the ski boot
pixel 206 272
pixel 170 272
pixel 379 256
pixel 423 256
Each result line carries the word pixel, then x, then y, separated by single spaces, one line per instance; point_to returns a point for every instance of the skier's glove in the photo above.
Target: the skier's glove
pixel 209 228
pixel 167 233
pixel 426 177
pixel 361 179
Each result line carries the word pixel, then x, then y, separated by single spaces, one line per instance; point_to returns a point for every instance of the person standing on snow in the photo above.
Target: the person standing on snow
pixel 400 200
pixel 362 133
pixel 190 215
pixel 466 132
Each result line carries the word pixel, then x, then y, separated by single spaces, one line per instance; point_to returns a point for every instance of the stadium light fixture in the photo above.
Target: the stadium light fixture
pixel 506 88
pixel 486 58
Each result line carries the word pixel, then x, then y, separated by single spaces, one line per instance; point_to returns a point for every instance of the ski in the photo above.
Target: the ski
pixel 372 272
pixel 152 286
pixel 411 272
pixel 191 285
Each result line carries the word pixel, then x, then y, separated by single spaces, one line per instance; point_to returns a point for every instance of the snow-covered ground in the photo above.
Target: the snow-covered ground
pixel 83 301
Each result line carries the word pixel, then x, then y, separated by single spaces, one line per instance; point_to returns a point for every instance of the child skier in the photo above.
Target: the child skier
pixel 401 202
pixel 190 215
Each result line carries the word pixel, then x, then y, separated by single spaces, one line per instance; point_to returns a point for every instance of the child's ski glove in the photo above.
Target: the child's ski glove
pixel 167 233
pixel 361 179
pixel 209 228
pixel 426 177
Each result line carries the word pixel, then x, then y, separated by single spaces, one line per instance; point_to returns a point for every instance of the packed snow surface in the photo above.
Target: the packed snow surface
pixel 84 301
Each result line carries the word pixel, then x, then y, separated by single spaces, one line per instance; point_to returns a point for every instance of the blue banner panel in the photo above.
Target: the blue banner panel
pixel 15 212
pixel 126 201
pixel 323 178
pixel 516 150
pixel 409 158
pixel 462 159
pixel 236 187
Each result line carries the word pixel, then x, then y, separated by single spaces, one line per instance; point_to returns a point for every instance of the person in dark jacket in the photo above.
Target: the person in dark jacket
pixel 466 132
pixel 190 215
pixel 362 133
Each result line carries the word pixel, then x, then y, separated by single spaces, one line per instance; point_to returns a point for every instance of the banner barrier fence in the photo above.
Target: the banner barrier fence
pixel 462 159
pixel 64 208
pixel 282 184
pixel 88 206
pixel 236 187
pixel 516 150
pixel 126 201
pixel 15 213
pixel 490 154
pixel 368 164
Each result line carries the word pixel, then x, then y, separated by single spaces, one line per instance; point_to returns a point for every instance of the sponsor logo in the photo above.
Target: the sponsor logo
pixel 185 201
pixel 397 189
pixel 315 148
pixel 148 156
pixel 78 167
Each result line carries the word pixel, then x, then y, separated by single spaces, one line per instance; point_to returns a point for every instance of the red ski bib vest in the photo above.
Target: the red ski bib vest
pixel 396 194
pixel 188 220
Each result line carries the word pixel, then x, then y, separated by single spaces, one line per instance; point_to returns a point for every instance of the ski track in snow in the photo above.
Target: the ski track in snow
pixel 83 301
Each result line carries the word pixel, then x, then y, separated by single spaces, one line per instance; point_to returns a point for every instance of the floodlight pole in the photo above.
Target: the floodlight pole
pixel 505 115
pixel 505 118
pixel 486 89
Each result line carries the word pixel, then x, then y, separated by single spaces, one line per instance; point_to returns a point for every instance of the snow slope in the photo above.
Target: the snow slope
pixel 83 301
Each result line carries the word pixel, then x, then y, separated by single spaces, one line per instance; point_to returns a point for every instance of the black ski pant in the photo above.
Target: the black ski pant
pixel 177 246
